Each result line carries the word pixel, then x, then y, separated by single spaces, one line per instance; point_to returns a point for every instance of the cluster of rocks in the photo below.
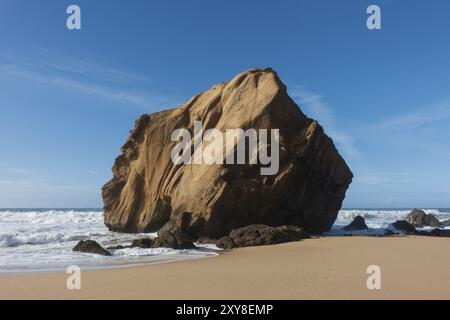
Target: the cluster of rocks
pixel 252 235
pixel 166 239
pixel 406 227
pixel 416 219
pixel 170 236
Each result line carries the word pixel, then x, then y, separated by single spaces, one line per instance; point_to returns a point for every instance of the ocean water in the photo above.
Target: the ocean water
pixel 42 239
pixel 378 220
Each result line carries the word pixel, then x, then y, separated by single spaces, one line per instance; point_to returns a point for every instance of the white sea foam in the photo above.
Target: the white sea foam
pixel 43 240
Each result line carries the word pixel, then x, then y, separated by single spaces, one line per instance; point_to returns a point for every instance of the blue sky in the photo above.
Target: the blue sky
pixel 69 98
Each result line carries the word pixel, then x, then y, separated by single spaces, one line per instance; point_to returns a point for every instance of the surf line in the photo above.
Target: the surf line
pixel 216 147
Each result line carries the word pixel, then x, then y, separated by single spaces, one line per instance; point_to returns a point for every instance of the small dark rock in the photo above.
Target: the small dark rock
pixel 357 224
pixel 404 226
pixel 445 223
pixel 388 233
pixel 90 246
pixel 118 247
pixel 419 218
pixel 142 243
pixel 173 239
pixel 225 243
pixel 440 233
pixel 206 240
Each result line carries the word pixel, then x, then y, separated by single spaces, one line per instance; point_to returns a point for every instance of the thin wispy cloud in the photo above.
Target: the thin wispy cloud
pixel 421 129
pixel 437 112
pixel 316 107
pixel 84 76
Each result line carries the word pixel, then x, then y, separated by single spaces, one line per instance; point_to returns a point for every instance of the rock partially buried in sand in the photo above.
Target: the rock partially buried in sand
pixel 165 240
pixel 404 226
pixel 258 235
pixel 148 190
pixel 418 218
pixel 90 246
pixel 440 233
pixel 168 240
pixel 225 243
pixel 357 224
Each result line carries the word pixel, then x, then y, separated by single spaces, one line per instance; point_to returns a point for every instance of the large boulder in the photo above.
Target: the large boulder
pixel 148 190
pixel 357 224
pixel 91 246
pixel 258 235
pixel 419 218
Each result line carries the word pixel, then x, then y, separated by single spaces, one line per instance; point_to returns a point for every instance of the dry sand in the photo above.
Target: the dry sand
pixel 324 268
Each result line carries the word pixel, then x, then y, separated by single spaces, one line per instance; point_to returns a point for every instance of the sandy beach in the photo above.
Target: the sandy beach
pixel 323 268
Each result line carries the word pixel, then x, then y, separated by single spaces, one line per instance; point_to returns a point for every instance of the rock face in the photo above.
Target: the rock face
pixel 90 246
pixel 258 235
pixel 419 218
pixel 357 224
pixel 148 190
